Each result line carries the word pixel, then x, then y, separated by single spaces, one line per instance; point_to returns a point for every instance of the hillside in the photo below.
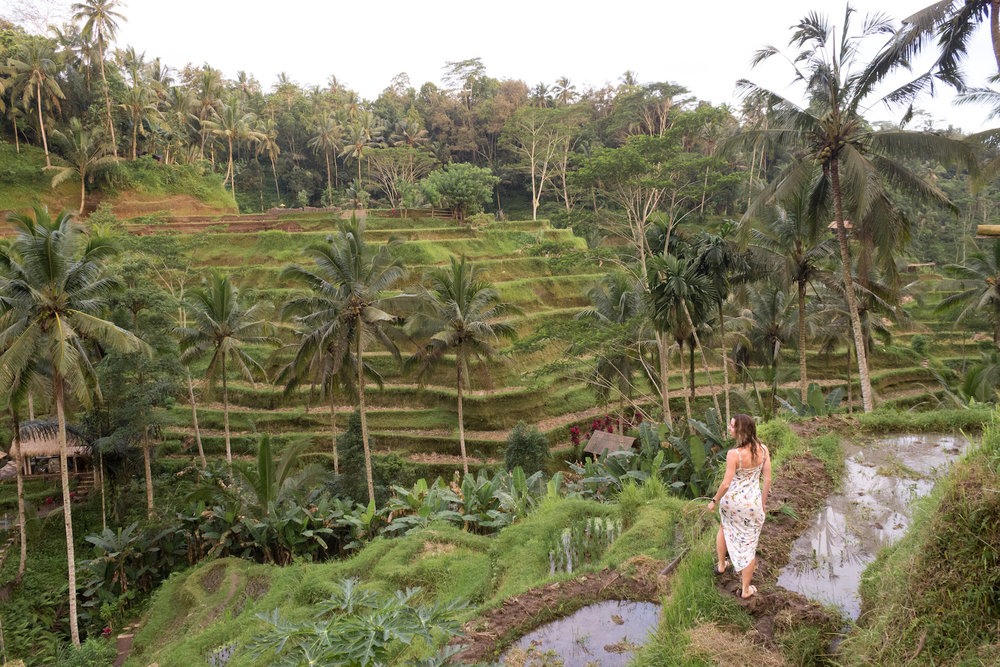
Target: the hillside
pixel 130 188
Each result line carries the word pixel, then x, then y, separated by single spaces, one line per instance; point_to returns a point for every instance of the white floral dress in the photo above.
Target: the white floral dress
pixel 742 513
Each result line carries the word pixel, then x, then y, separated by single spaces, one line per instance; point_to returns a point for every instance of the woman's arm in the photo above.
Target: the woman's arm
pixel 767 480
pixel 730 471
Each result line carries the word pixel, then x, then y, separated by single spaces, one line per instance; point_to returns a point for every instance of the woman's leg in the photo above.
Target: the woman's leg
pixel 747 575
pixel 720 550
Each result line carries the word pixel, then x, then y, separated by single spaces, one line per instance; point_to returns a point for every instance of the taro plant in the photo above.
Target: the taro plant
pixel 817 404
pixel 355 627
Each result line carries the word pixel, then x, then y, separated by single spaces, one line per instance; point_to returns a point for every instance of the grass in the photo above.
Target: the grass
pixel 887 420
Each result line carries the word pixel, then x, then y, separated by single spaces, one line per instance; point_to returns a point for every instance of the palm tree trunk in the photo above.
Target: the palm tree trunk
pixel 107 100
pixel 803 382
pixel 31 406
pixel 725 358
pixel 852 303
pixel 104 509
pixel 684 391
pixel 229 172
pixel 275 172
pixel 45 144
pixel 135 139
pixel 850 390
pixel 661 346
pixel 57 386
pixel 361 408
pixel 704 361
pixel 691 364
pixel 333 435
pixel 329 185
pixel 83 189
pixel 17 141
pixel 461 421
pixel 225 412
pixel 21 524
pixel 149 473
pixel 995 30
pixel 194 419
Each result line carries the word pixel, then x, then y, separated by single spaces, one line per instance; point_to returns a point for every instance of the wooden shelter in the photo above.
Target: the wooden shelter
pixel 602 441
pixel 40 440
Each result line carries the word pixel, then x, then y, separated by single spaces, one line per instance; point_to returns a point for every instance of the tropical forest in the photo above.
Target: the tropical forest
pixel 462 373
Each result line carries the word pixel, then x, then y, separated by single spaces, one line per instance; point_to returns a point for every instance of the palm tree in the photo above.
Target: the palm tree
pixel 328 137
pixel 564 91
pixel 32 71
pixel 767 325
pixel 349 282
pixel 54 289
pixel 268 143
pixel 794 245
pixel 858 163
pixel 616 305
pixel 140 104
pixel 675 283
pixel 100 25
pixel 86 152
pixel 219 330
pixel 980 276
pixel 461 313
pixel 234 125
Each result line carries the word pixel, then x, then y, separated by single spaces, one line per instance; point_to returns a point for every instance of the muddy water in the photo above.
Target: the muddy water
pixel 602 634
pixel 872 510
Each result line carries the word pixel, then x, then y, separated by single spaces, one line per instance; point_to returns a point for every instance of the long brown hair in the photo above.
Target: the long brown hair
pixel 746 434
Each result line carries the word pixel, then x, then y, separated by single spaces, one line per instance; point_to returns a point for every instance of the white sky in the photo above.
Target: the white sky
pixel 703 46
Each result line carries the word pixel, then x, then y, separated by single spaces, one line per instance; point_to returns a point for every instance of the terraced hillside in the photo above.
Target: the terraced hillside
pixel 546 272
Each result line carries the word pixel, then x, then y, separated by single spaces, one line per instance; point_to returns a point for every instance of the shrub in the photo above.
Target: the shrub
pixel 461 186
pixel 92 653
pixel 528 448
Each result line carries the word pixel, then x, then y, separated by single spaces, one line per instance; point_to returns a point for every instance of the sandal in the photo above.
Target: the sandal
pixel 715 568
pixel 753 591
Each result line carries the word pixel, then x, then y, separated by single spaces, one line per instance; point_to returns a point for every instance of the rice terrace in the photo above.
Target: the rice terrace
pixel 487 371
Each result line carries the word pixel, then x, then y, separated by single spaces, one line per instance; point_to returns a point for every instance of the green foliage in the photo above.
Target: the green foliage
pixel 816 404
pixel 148 176
pixel 888 420
pixel 461 186
pixel 356 627
pixel 581 543
pixel 527 448
pixel 95 652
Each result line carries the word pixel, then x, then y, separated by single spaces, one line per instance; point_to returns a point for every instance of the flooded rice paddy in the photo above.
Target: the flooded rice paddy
pixel 603 634
pixel 872 510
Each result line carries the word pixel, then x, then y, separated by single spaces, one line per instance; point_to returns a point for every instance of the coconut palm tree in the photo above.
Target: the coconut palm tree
pixel 54 288
pixel 767 325
pixel 350 279
pixel 858 163
pixel 328 138
pixel 85 151
pixel 460 313
pixel 100 25
pixel 220 328
pixel 32 71
pixel 268 143
pixel 676 288
pixel 234 125
pixel 980 276
pixel 793 242
pixel 140 103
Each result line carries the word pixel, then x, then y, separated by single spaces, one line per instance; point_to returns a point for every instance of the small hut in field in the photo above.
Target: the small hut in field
pixel 602 441
pixel 40 440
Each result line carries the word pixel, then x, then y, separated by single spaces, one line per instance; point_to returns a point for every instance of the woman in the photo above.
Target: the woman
pixel 743 501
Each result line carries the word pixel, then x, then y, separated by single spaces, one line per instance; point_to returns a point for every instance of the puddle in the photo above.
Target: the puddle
pixel 603 634
pixel 872 510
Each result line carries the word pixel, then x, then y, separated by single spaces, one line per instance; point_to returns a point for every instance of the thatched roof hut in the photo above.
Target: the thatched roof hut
pixel 41 438
pixel 602 441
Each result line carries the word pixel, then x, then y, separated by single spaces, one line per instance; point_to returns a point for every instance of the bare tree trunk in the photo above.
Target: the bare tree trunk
pixel 684 391
pixel 74 628
pixel 194 419
pixel 225 412
pixel 852 303
pixel 48 162
pixel 149 473
pixel 333 435
pixel 461 420
pixel 850 390
pixel 329 184
pixel 83 189
pixel 663 351
pixel 803 382
pixel 725 359
pixel 22 525
pixel 704 361
pixel 275 172
pixel 361 408
pixel 31 406
pixel 104 509
pixel 107 100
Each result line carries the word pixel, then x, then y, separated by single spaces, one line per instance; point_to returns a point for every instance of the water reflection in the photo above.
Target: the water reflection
pixel 872 510
pixel 603 634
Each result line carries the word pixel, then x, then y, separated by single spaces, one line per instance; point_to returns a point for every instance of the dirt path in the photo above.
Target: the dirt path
pixel 637 580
